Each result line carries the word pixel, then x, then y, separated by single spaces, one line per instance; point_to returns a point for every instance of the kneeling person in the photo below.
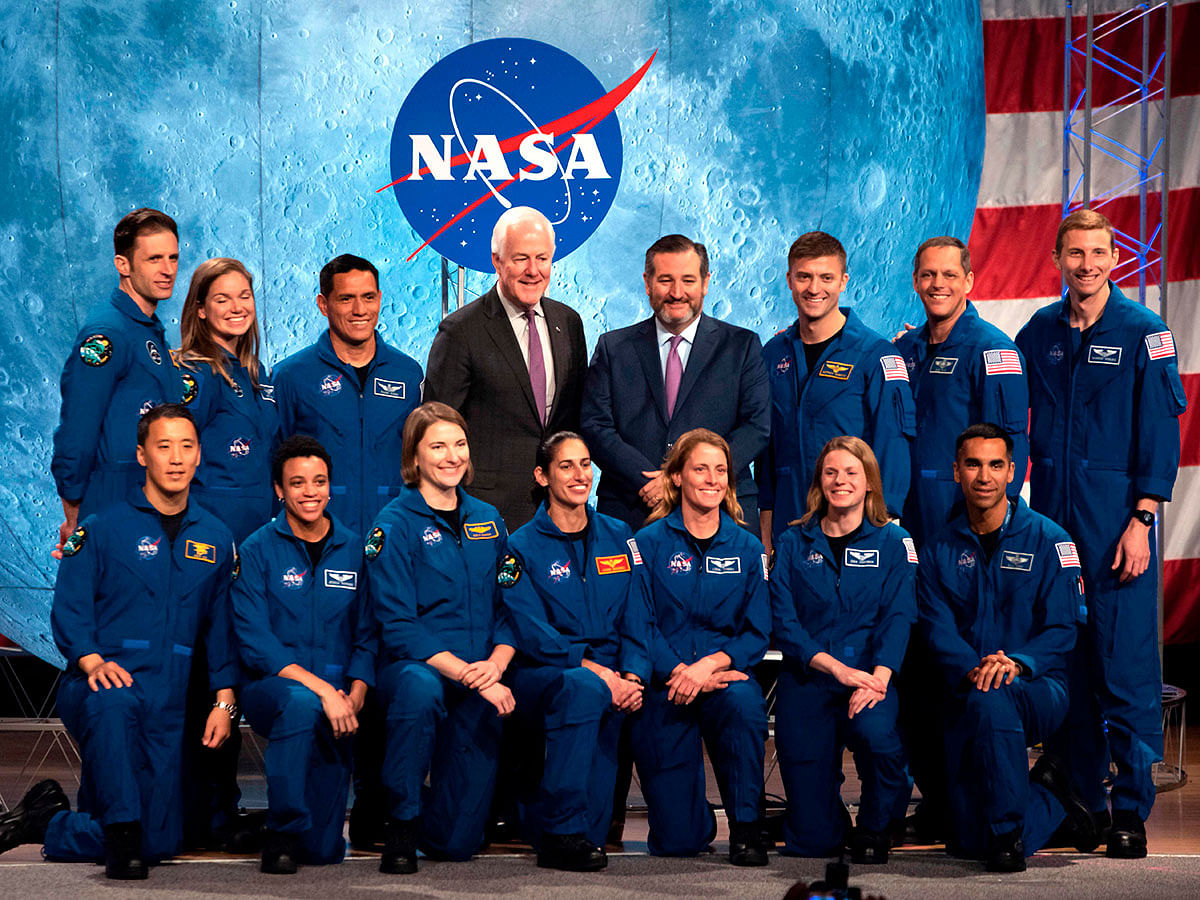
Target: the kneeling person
pixel 998 589
pixel 305 639
pixel 579 614
pixel 141 582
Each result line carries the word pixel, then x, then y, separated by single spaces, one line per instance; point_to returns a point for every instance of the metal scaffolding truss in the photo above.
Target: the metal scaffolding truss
pixel 1116 127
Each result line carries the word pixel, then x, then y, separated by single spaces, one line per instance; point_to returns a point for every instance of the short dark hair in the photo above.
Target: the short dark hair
pixel 676 243
pixel 298 446
pixel 339 265
pixel 945 240
pixel 816 243
pixel 162 411
pixel 141 221
pixel 989 431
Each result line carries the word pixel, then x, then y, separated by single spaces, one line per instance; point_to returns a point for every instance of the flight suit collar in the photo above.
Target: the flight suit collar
pixel 327 354
pixel 675 522
pixel 815 535
pixel 1018 520
pixel 137 499
pixel 543 524
pixel 338 534
pixel 125 305
pixel 1106 322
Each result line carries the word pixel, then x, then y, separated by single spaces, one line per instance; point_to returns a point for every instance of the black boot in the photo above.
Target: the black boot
pixel 746 844
pixel 26 822
pixel 123 858
pixel 1052 775
pixel 570 853
pixel 280 853
pixel 869 847
pixel 399 847
pixel 1006 852
pixel 1127 837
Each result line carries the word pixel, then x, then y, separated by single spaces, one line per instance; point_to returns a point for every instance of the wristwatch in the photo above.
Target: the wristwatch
pixel 230 708
pixel 1144 516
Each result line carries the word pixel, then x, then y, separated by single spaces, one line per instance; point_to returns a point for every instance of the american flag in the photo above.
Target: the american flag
pixel 1002 362
pixel 894 368
pixel 1067 554
pixel 911 549
pixel 1160 344
pixel 634 552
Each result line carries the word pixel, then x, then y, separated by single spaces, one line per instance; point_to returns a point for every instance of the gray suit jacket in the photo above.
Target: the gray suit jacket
pixel 475 365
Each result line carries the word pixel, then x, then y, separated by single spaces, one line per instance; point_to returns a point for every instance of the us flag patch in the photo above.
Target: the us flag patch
pixel 1160 345
pixel 894 368
pixel 1002 362
pixel 1067 554
pixel 911 549
pixel 634 551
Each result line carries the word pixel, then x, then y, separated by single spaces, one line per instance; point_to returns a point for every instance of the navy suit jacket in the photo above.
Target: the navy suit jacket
pixel 624 412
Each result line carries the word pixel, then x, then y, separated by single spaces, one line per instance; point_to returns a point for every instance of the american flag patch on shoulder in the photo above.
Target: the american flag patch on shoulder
pixel 1160 345
pixel 911 549
pixel 894 368
pixel 1067 554
pixel 634 551
pixel 1001 362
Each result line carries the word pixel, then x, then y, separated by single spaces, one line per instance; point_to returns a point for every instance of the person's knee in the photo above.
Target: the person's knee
pixel 742 707
pixel 584 694
pixel 411 690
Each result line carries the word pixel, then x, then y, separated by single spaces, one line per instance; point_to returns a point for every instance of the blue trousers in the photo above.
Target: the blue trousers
pixel 572 791
pixel 670 762
pixel 438 727
pixel 812 729
pixel 131 751
pixel 987 762
pixel 308 769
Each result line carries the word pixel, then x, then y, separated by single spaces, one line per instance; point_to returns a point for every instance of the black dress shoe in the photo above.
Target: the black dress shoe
pixel 570 853
pixel 400 847
pixel 26 822
pixel 1006 853
pixel 746 844
pixel 123 859
pixel 1127 837
pixel 869 848
pixel 280 853
pixel 1053 776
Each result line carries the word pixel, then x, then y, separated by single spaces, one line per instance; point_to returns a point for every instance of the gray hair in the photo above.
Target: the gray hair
pixel 513 216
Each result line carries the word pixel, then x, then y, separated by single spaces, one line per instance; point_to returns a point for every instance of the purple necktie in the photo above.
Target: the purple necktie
pixel 537 366
pixel 674 374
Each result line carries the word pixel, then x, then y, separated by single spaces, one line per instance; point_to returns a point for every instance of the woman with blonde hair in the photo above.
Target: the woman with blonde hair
pixel 843 598
pixel 225 389
pixel 706 585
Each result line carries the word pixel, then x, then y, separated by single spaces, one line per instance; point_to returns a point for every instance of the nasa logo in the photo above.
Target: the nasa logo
pixel 146 407
pixel 679 563
pixel 146 548
pixel 967 559
pixel 1055 354
pixel 155 356
pixel 431 535
pixel 813 559
pixel 514 121
pixel 331 384
pixel 784 365
pixel 559 571
pixel 293 578
pixel 239 448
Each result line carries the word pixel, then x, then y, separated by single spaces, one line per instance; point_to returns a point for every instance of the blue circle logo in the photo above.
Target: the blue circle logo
pixel 502 123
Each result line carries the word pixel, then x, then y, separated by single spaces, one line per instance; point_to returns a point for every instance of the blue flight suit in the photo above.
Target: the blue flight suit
pixel 317 394
pixel 860 613
pixel 128 593
pixel 120 366
pixel 860 387
pixel 566 606
pixel 239 431
pixel 701 603
pixel 972 378
pixel 433 590
pixel 285 611
pixel 1103 433
pixel 1023 601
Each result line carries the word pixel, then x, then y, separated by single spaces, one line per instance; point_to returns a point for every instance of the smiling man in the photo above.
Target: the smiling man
pixel 1105 397
pixel 677 370
pixel 512 363
pixel 829 374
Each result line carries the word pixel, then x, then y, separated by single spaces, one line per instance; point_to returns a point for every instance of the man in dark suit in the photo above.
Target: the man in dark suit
pixel 678 370
pixel 512 391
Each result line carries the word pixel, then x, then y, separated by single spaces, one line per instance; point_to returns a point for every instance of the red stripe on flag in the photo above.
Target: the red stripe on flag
pixel 1036 46
pixel 1189 422
pixel 1007 243
pixel 1181 601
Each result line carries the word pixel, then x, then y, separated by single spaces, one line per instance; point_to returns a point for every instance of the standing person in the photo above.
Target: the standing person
pixel 573 594
pixel 226 389
pixel 680 369
pixel 444 644
pixel 140 582
pixel 512 390
pixel 843 598
pixel 119 367
pixel 1105 399
pixel 829 375
pixel 998 590
pixel 305 635
pixel 706 583
pixel 963 370
pixel 352 391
